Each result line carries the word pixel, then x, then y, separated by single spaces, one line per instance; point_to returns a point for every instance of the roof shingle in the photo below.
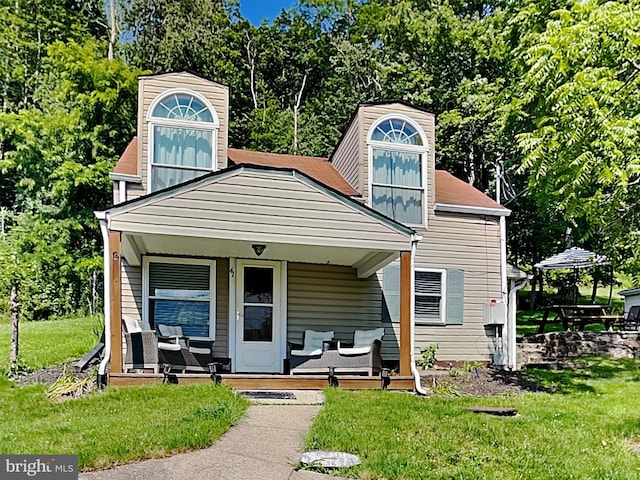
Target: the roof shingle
pixel 128 163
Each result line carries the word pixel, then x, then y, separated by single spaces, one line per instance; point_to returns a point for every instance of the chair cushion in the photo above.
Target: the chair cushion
pixel 354 351
pixel 364 338
pixel 172 347
pixel 307 353
pixel 134 325
pixel 313 340
pixel 200 350
pixel 170 330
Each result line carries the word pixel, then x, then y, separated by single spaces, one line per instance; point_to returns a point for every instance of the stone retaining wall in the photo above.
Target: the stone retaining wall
pixel 569 345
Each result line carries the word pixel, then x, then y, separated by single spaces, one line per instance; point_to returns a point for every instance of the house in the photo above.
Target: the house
pixel 250 249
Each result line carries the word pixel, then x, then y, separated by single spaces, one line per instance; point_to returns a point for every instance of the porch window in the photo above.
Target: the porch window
pixel 429 296
pixel 181 292
pixel 182 140
pixel 397 180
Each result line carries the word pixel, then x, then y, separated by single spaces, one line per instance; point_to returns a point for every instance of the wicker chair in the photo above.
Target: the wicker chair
pixel 311 356
pixel 631 321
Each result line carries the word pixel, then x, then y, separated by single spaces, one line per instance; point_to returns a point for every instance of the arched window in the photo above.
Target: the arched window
pixel 183 132
pixel 397 150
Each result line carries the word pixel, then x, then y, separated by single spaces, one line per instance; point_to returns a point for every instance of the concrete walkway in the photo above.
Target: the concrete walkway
pixel 265 444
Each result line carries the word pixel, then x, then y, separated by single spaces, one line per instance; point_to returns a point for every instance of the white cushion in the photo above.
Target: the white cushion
pixel 134 325
pixel 200 350
pixel 170 330
pixel 364 338
pixel 354 351
pixel 307 353
pixel 173 347
pixel 313 340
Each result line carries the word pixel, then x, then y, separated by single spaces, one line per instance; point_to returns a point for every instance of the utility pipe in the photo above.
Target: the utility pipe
pixel 416 374
pixel 512 363
pixel 102 377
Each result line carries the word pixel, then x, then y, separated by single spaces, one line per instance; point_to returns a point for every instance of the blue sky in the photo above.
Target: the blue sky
pixel 256 10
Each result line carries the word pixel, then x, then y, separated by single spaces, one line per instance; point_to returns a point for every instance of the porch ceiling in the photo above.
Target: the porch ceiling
pixel 366 261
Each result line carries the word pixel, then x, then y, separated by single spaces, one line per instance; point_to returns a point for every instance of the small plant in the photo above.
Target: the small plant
pixel 428 358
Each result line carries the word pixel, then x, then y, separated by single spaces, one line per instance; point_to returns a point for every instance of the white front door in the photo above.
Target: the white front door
pixel 258 317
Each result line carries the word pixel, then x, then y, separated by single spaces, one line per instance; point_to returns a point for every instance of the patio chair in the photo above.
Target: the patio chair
pixel 363 355
pixel 181 352
pixel 141 344
pixel 308 357
pixel 631 320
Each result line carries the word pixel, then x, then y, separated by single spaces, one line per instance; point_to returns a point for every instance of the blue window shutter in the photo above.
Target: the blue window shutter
pixel 455 296
pixel 391 293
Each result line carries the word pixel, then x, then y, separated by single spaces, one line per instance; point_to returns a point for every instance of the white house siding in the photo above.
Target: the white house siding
pixel 262 206
pixel 369 115
pixel 327 297
pixel 152 87
pixel 135 190
pixel 346 157
pixel 470 243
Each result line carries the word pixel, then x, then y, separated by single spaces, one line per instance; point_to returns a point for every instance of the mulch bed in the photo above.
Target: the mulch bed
pixel 482 382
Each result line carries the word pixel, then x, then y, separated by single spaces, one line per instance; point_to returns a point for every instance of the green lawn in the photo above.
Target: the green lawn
pixel 118 425
pixel 49 342
pixel 585 431
pixel 106 428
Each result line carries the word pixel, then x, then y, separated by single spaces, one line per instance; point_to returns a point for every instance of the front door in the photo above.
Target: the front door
pixel 258 317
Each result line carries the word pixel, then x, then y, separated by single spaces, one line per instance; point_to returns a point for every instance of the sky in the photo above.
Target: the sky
pixel 256 10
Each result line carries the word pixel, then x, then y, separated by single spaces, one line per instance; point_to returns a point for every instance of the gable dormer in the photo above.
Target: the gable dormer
pixel 182 132
pixel 387 155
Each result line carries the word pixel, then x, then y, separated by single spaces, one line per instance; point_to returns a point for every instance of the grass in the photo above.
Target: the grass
pixel 107 428
pixel 118 425
pixel 50 342
pixel 584 431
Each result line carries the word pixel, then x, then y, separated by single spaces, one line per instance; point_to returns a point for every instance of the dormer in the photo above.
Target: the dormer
pixel 387 155
pixel 182 134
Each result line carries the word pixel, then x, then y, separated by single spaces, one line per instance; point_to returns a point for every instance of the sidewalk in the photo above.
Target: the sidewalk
pixel 265 444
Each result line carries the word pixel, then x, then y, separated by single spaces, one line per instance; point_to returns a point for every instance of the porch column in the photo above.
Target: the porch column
pixel 116 304
pixel 405 313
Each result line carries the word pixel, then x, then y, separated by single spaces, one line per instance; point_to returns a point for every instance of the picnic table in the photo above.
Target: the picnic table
pixel 578 315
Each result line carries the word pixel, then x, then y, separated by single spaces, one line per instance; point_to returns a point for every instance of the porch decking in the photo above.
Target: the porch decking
pixel 266 382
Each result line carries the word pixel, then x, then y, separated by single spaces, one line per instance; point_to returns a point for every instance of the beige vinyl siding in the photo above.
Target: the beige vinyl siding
pixel 328 297
pixel 263 206
pixel 346 159
pixel 221 345
pixel 153 87
pixel 135 190
pixel 131 298
pixel 370 114
pixel 470 243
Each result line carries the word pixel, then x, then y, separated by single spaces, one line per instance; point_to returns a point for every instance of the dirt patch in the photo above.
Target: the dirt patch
pixel 480 382
pixel 50 375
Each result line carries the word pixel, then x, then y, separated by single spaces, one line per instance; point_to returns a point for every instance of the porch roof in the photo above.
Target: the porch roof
pixel 296 217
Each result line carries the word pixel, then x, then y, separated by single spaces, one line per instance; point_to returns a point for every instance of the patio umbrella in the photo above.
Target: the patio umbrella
pixel 573 258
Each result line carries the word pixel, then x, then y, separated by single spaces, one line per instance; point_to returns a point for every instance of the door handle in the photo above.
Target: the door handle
pixel 237 315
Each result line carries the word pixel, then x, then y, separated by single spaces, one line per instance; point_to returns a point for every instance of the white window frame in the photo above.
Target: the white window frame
pixel 422 150
pixel 183 261
pixel 443 297
pixel 152 122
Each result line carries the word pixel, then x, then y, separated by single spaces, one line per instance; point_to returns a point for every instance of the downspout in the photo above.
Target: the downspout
pixel 102 377
pixel 512 363
pixel 503 251
pixel 416 375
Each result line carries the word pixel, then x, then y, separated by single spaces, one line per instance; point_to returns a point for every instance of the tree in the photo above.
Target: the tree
pixel 578 102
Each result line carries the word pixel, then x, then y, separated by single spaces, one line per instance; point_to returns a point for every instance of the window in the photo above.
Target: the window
pixel 181 292
pixel 182 139
pixel 397 179
pixel 429 296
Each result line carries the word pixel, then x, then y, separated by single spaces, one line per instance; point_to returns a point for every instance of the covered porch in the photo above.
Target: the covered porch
pixel 249 258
